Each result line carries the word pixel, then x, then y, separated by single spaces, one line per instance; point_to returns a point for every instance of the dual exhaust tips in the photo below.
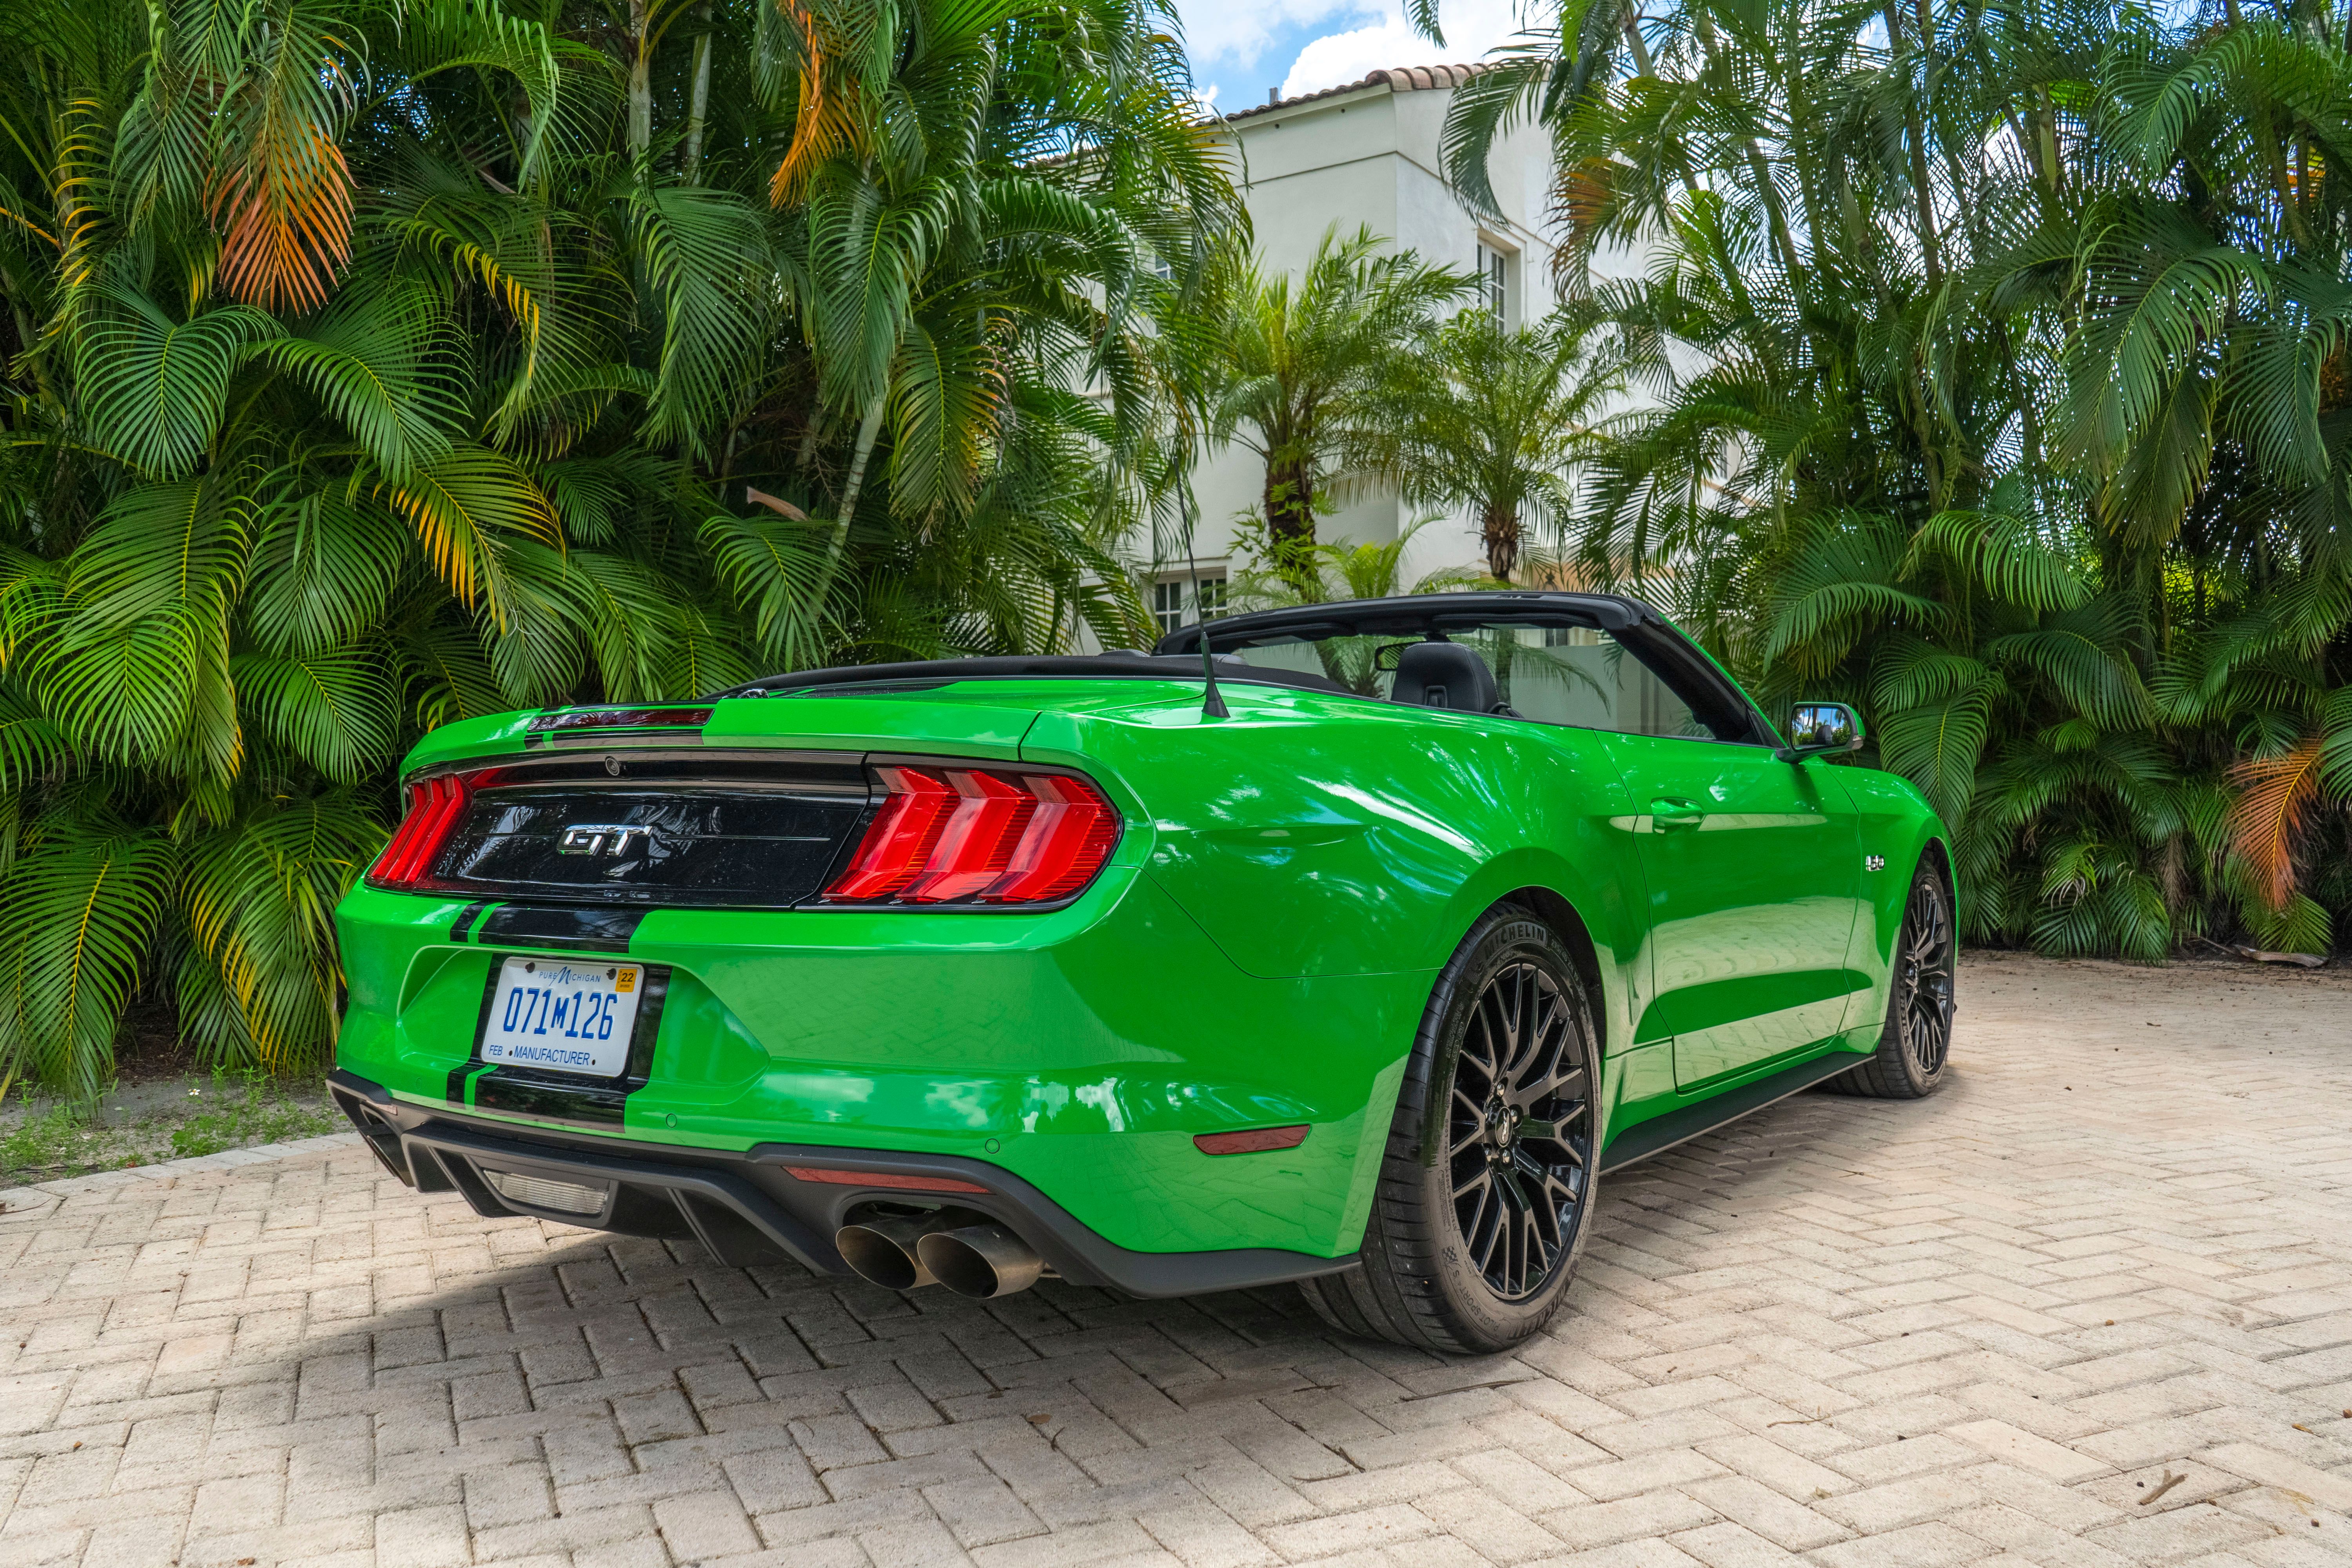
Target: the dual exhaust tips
pixel 981 1260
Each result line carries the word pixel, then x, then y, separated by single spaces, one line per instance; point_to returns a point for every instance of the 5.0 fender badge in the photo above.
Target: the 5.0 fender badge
pixel 1873 862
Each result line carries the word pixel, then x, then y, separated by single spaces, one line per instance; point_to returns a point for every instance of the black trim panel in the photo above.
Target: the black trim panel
pixel 1661 1133
pixel 574 927
pixel 725 1199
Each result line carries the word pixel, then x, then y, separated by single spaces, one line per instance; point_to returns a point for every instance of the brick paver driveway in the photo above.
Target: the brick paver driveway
pixel 2092 1305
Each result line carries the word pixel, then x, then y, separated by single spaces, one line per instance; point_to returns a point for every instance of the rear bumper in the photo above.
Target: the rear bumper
pixel 1080 1051
pixel 748 1208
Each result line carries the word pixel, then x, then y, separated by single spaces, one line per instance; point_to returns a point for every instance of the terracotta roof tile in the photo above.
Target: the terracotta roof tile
pixel 1397 78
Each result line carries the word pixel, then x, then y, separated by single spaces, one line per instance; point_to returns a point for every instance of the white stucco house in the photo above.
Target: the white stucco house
pixel 1364 154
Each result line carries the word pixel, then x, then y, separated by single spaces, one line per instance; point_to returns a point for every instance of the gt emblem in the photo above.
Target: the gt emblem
pixel 1873 862
pixel 602 839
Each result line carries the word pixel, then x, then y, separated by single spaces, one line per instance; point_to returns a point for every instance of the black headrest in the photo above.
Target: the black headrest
pixel 1444 675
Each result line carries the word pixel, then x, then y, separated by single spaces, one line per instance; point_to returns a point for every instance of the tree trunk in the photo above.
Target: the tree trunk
pixel 641 86
pixel 1290 518
pixel 867 429
pixel 2046 140
pixel 1499 526
pixel 700 101
pixel 1766 190
pixel 1922 188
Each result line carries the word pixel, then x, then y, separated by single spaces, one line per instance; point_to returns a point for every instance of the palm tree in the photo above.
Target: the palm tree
pixel 1999 361
pixel 372 369
pixel 1494 419
pixel 1303 363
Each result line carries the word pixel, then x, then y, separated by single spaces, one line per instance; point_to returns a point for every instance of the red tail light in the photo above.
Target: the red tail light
pixel 436 806
pixel 979 836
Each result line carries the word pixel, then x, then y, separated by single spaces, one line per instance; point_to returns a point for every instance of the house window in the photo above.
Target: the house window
pixel 1493 281
pixel 1173 603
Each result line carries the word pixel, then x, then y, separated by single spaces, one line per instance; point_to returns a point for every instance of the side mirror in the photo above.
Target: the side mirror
pixel 1821 729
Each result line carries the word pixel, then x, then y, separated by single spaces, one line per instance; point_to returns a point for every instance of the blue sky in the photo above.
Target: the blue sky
pixel 1240 49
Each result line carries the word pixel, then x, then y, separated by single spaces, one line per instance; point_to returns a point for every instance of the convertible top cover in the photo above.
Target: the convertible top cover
pixel 1177 655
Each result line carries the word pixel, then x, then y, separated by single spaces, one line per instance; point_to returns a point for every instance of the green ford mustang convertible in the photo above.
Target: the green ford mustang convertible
pixel 1354 949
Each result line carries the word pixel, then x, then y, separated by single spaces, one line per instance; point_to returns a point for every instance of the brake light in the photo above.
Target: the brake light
pixel 435 806
pixel 978 838
pixel 950 835
pixel 620 718
pixel 1065 843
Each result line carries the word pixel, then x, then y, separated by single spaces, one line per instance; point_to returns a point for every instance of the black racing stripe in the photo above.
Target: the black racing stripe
pixel 466 919
pixel 458 1076
pixel 559 926
pixel 473 1062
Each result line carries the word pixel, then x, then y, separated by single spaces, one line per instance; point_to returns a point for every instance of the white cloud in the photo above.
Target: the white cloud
pixel 1239 31
pixel 1338 59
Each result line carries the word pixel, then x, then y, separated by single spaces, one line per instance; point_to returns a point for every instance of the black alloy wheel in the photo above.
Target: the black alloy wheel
pixel 1519 1132
pixel 1914 1046
pixel 1928 956
pixel 1488 1182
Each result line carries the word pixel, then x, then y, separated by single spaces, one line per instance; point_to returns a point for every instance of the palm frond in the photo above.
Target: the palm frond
pixel 260 894
pixel 81 905
pixel 157 388
pixel 2266 821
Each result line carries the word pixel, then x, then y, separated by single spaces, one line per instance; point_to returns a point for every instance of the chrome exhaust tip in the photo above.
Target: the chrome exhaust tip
pixel 884 1251
pixel 982 1261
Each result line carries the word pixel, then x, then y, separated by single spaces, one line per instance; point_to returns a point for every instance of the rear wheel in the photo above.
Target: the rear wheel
pixel 1488 1175
pixel 1916 1043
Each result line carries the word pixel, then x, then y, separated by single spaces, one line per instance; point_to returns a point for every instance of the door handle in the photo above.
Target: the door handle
pixel 1670 813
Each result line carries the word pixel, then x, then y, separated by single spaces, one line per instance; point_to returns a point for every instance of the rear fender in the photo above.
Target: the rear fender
pixel 1604 898
pixel 1312 835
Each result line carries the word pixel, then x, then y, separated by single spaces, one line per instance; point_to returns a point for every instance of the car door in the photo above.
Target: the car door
pixel 1752 864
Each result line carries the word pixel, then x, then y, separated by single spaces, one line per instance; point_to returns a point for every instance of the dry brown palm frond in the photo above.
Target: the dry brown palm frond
pixel 286 224
pixel 827 118
pixel 2264 820
pixel 1584 195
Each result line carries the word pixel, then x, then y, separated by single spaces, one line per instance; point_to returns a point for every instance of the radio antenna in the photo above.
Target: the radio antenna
pixel 1213 706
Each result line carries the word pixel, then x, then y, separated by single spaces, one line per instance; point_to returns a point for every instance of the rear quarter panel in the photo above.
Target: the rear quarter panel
pixel 1313 836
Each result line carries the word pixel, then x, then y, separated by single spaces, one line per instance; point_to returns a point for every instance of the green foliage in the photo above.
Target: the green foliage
pixel 171 1119
pixel 2002 365
pixel 247 1108
pixel 84 896
pixel 1468 412
pixel 1304 373
pixel 374 365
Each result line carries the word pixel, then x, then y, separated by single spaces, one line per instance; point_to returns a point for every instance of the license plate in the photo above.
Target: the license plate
pixel 569 1017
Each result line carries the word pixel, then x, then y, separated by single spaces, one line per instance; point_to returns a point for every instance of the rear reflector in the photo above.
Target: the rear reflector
pixel 882 1179
pixel 985 836
pixel 436 806
pixel 1256 1140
